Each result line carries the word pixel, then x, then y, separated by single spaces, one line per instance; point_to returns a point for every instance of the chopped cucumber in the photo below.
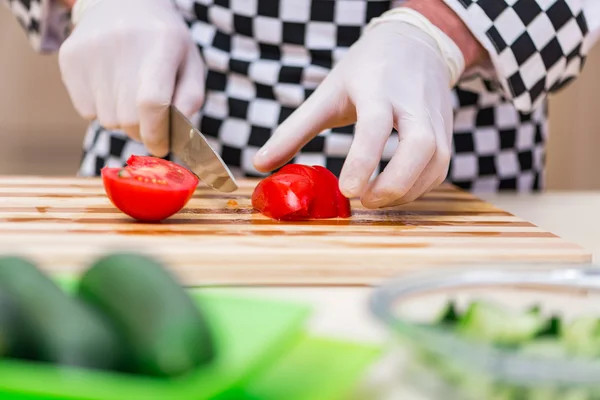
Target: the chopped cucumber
pixel 547 347
pixel 449 314
pixel 582 336
pixel 491 323
pixel 551 327
pixel 544 393
pixel 528 332
pixel 535 309
pixel 576 394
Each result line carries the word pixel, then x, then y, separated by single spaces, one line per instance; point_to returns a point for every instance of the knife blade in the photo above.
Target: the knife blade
pixel 192 148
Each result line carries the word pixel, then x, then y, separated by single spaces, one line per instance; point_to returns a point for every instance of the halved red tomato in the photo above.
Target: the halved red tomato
pixel 275 198
pixel 148 188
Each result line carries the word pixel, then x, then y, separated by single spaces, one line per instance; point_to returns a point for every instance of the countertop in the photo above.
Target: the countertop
pixel 342 312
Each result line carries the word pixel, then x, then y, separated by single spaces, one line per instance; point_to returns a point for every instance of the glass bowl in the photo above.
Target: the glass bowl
pixel 447 366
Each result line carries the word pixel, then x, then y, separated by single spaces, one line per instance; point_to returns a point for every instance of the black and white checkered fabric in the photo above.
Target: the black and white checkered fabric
pixel 45 22
pixel 536 45
pixel 265 57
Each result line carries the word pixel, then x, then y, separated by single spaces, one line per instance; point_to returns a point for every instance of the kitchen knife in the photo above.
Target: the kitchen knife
pixel 191 147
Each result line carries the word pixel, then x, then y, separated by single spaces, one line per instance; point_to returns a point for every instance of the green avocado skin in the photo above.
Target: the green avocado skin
pixel 165 331
pixel 56 327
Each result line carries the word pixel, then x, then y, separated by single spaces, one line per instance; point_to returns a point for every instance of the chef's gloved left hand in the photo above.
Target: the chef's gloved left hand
pixel 396 75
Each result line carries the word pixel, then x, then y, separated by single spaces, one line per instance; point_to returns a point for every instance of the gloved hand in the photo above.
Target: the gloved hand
pixel 394 76
pixel 126 62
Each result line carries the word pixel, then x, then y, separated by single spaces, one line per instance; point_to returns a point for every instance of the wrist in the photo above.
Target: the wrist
pixel 450 54
pixel 79 7
pixel 442 16
pixel 67 3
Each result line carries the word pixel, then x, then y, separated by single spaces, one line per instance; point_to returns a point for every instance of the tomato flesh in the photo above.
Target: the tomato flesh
pixel 149 189
pixel 300 192
pixel 284 196
pixel 342 202
pixel 324 205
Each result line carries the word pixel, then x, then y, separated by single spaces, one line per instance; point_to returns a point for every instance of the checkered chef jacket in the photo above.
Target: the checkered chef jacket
pixel 264 57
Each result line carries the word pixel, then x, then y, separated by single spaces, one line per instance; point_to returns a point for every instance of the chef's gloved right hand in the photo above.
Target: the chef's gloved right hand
pixel 126 61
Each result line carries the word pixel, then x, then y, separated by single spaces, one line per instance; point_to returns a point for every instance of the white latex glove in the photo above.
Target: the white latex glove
pixel 395 75
pixel 126 61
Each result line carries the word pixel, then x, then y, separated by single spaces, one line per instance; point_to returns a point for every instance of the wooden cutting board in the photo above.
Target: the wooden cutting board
pixel 62 223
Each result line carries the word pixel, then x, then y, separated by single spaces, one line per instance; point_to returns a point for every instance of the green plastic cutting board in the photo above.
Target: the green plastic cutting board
pixel 250 333
pixel 316 368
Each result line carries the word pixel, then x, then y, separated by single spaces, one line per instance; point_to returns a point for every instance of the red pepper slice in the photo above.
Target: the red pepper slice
pixel 149 189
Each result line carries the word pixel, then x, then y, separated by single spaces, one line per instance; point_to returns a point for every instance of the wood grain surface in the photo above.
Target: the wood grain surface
pixel 63 223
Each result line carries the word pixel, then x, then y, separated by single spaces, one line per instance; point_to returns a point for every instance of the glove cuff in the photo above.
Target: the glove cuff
pixel 451 53
pixel 79 7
